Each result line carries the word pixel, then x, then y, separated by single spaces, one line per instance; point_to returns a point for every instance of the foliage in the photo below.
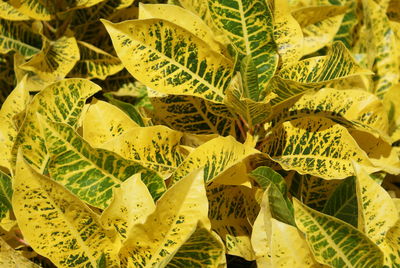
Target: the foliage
pixel 199 133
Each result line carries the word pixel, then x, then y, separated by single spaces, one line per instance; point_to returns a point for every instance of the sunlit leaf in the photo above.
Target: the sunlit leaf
pixel 57 224
pixel 8 12
pixel 12 258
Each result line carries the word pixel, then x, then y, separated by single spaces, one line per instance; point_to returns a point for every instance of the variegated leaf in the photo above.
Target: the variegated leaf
pixel 342 203
pixel 288 35
pixel 248 24
pixel 281 207
pixel 315 72
pixel 381 45
pixel 312 191
pixel 193 115
pixel 132 203
pixel 9 257
pixel 253 112
pixel 334 242
pixel 19 37
pixel 90 173
pixel 61 102
pixel 319 24
pixel 202 249
pixel 15 104
pixel 57 224
pixel 316 146
pixel 277 244
pixel 172 61
pixel 351 108
pixel 55 60
pixel 8 12
pixel 175 219
pixel 156 147
pixel 103 121
pixel 129 109
pixel 229 218
pixel 95 63
pixel 5 194
pixel 216 156
pixel 200 8
pixel 185 19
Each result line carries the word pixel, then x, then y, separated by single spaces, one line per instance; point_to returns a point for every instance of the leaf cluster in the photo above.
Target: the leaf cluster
pixel 199 133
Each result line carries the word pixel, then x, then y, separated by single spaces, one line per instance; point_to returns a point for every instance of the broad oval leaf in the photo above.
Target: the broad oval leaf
pixel 334 242
pixel 103 121
pixel 156 147
pixel 248 24
pixel 177 214
pixel 15 104
pixel 57 224
pixel 316 146
pixel 95 63
pixel 61 102
pixel 169 59
pixel 90 173
pixel 131 204
pixel 19 37
pixel 216 156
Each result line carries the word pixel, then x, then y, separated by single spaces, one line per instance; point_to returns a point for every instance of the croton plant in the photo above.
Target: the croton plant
pixel 200 133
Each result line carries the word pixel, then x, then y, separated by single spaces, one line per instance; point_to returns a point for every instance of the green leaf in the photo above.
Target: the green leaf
pixel 153 55
pixel 90 173
pixel 60 102
pixel 248 24
pixel 280 206
pixel 342 204
pixel 19 37
pixel 5 194
pixel 128 108
pixel 316 146
pixel 334 242
pixel 57 224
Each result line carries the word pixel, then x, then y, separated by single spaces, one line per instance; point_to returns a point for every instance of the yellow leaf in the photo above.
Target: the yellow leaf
pixel 8 12
pixel 319 24
pixel 288 35
pixel 57 224
pixel 33 81
pixel 95 63
pixel 229 218
pixel 334 242
pixel 185 19
pixel 55 60
pixel 278 244
pixel 59 102
pixel 12 258
pixel 131 204
pixel 156 147
pixel 145 48
pixel 15 103
pixel 103 122
pixel 317 146
pixel 177 214
pixel 216 156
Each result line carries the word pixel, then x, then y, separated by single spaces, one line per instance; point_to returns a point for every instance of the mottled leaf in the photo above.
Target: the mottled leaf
pixel 8 12
pixel 5 194
pixel 57 224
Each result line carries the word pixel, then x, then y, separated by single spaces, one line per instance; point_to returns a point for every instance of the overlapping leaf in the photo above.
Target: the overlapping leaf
pixel 172 61
pixel 57 224
pixel 8 12
pixel 334 242
pixel 5 194
pixel 12 258
pixel 157 148
pixel 90 173
pixel 248 24
pixel 61 102
pixel 317 146
pixel 173 222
